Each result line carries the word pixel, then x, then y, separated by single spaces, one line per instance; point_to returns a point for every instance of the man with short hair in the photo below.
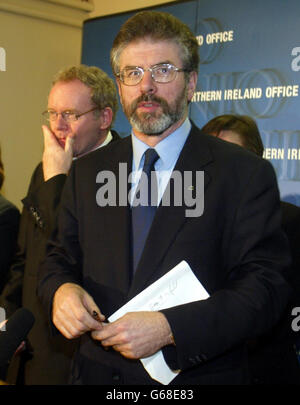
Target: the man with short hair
pixel 239 129
pixel 82 104
pixel 105 254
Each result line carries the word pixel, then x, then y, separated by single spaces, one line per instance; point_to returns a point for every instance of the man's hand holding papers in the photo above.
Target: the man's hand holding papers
pixel 139 323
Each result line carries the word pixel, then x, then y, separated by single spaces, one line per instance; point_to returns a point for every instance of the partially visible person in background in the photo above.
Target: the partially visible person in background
pixel 82 106
pixel 239 129
pixel 9 224
pixel 272 358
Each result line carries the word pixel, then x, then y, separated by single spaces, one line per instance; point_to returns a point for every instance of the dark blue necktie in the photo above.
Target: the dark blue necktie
pixel 143 210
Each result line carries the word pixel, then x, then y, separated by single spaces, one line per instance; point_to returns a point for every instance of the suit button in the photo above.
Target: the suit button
pixel 198 359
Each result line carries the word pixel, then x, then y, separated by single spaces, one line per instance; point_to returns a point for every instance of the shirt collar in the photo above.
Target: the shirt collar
pixel 168 149
pixel 108 139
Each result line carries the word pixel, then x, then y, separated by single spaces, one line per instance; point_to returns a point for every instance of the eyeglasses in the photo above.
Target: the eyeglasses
pixel 68 116
pixel 161 73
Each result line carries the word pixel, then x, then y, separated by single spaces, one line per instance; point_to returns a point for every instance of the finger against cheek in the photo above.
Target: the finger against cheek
pixel 47 134
pixel 45 129
pixel 69 144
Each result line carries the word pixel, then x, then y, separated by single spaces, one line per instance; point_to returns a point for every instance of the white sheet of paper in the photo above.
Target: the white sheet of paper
pixel 178 286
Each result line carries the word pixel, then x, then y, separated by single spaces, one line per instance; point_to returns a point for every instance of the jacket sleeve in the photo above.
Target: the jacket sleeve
pixel 63 259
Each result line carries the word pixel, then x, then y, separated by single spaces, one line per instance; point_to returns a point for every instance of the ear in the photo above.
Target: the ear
pixel 192 84
pixel 106 116
pixel 119 85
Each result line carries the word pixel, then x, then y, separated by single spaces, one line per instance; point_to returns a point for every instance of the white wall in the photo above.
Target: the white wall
pixel 102 7
pixel 36 47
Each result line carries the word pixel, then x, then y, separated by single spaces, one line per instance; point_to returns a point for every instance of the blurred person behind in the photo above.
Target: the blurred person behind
pixel 272 358
pixel 9 224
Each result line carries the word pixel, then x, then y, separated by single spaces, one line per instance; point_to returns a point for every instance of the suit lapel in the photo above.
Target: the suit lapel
pixel 168 221
pixel 115 135
pixel 118 218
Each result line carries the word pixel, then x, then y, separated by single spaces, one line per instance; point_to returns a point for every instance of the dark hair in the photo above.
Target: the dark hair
pixel 158 26
pixel 243 125
pixel 1 171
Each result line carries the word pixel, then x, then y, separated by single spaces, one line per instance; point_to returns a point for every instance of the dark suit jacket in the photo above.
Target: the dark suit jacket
pixel 9 224
pixel 272 358
pixel 236 249
pixel 49 361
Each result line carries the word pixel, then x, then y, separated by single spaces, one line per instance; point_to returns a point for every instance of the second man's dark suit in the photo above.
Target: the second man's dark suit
pixel 236 249
pixel 50 359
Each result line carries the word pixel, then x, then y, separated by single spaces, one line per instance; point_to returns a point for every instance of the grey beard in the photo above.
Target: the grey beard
pixel 152 126
pixel 149 124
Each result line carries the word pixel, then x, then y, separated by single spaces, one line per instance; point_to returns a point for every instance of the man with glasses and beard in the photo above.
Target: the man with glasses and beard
pixel 82 104
pixel 105 254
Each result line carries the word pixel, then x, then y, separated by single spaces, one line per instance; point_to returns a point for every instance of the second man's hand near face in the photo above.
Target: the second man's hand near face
pixel 56 158
pixel 75 127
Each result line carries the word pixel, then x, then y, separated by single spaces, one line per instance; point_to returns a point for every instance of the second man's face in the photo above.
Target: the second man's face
pixel 155 108
pixel 76 97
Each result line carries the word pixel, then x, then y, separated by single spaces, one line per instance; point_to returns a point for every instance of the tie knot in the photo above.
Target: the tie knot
pixel 151 157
